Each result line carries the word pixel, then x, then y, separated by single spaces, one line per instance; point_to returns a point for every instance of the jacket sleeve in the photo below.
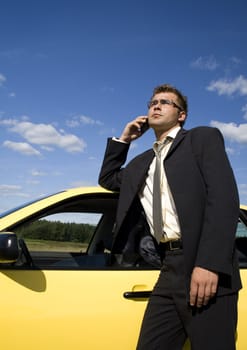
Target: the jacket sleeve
pixel 216 246
pixel 110 176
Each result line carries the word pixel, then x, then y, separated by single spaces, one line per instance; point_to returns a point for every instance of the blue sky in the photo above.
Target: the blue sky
pixel 73 73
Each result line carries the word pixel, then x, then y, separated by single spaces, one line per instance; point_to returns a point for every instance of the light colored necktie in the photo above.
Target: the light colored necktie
pixel 157 206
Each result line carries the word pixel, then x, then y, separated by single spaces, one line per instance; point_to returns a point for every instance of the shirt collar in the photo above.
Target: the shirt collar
pixel 173 132
pixel 171 136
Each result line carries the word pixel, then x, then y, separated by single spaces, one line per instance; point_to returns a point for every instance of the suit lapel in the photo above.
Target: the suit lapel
pixel 180 136
pixel 139 171
pixel 132 184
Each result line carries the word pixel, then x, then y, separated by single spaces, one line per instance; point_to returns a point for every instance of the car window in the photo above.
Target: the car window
pixel 73 234
pixel 241 229
pixel 241 240
pixel 59 240
pixel 60 232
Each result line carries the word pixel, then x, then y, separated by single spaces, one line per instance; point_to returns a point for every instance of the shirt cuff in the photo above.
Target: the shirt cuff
pixel 118 140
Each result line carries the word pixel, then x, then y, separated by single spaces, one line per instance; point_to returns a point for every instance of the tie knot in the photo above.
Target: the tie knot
pixel 159 145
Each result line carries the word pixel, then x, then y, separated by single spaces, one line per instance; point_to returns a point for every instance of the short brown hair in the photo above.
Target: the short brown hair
pixel 183 102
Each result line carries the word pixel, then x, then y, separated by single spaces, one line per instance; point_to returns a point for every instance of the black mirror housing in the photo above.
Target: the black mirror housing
pixel 9 251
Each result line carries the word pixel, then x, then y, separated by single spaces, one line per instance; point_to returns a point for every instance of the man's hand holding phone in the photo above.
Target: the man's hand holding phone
pixel 145 126
pixel 134 129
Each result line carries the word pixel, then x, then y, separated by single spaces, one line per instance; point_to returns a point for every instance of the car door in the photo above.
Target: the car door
pixel 241 244
pixel 64 292
pixel 71 309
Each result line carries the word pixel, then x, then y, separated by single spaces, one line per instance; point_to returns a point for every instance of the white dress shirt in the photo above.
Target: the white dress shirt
pixel 171 227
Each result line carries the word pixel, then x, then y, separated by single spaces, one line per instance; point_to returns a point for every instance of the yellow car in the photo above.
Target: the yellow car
pixel 60 287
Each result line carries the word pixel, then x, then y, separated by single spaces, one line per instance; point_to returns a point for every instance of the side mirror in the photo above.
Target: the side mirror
pixel 9 251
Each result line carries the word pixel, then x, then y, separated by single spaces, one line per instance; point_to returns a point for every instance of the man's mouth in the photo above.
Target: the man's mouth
pixel 155 115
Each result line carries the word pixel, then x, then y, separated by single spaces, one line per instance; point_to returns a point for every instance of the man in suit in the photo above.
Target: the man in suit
pixel 197 290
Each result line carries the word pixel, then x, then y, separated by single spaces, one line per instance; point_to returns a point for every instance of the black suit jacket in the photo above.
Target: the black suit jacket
pixel 204 191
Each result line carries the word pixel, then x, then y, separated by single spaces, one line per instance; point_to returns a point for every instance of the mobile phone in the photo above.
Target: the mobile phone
pixel 145 126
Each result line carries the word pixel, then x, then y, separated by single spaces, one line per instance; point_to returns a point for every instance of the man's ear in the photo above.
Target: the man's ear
pixel 182 116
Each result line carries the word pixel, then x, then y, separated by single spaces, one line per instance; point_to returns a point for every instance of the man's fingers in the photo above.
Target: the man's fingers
pixel 200 295
pixel 193 293
pixel 133 129
pixel 197 295
pixel 203 286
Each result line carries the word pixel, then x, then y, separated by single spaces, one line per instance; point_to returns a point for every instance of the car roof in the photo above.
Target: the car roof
pixel 28 209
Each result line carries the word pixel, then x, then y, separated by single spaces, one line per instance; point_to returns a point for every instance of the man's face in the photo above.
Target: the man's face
pixel 165 112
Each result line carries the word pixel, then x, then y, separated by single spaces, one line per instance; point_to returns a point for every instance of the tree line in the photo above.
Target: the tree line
pixel 57 231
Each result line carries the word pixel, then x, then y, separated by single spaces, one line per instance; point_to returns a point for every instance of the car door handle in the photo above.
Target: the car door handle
pixel 138 294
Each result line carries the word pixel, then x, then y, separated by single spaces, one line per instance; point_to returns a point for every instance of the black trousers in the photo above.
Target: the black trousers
pixel 169 320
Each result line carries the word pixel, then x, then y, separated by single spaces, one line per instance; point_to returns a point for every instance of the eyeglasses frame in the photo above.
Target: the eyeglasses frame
pixel 164 101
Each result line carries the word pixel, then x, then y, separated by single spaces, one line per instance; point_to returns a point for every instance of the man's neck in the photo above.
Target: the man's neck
pixel 162 134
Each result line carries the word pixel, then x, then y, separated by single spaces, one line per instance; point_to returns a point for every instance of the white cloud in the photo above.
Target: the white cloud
pixel 108 89
pixel 82 120
pixel 205 63
pixel 82 184
pixel 244 109
pixel 230 150
pixel 229 87
pixel 72 123
pixel 133 145
pixel 86 120
pixel 12 190
pixel 243 187
pixel 2 79
pixel 235 60
pixel 47 148
pixel 35 172
pixel 33 182
pixel 45 135
pixel 9 188
pixel 21 147
pixel 8 122
pixel 232 131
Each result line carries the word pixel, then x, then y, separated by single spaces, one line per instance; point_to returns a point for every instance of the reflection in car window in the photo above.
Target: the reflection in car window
pixel 241 229
pixel 73 233
pixel 58 238
pixel 241 242
pixel 60 232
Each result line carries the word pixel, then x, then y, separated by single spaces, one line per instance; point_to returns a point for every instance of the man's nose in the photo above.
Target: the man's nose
pixel 157 106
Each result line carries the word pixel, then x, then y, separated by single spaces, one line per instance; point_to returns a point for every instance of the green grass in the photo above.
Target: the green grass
pixel 43 245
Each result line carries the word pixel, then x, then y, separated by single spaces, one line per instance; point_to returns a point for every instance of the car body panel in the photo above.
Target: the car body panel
pixel 63 305
pixel 242 313
pixel 71 309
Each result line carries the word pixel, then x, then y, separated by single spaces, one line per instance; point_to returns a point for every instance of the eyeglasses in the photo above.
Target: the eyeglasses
pixel 164 102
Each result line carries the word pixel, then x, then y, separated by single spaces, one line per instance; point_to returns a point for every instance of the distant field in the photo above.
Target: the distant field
pixel 43 245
